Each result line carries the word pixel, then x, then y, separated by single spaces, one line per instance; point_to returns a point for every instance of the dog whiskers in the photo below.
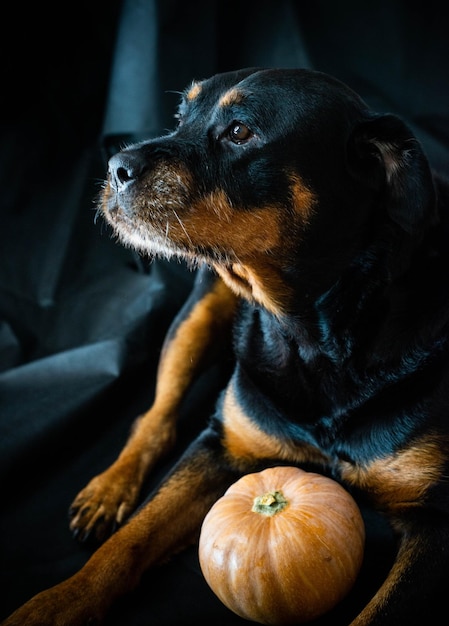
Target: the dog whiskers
pixel 97 215
pixel 182 226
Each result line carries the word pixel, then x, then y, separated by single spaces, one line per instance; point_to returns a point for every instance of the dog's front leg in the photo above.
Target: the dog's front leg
pixel 110 497
pixel 414 582
pixel 168 522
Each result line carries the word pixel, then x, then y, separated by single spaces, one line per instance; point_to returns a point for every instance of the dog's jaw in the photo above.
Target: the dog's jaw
pixel 163 217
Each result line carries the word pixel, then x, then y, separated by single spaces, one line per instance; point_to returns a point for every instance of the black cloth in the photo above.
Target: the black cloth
pixel 82 318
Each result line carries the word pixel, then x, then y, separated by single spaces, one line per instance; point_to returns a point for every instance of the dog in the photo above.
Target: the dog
pixel 318 234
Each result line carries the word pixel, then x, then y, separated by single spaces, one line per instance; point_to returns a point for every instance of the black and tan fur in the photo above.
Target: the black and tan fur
pixel 320 236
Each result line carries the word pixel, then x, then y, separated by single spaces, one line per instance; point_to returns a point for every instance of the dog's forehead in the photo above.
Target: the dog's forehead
pixel 210 90
pixel 283 90
pixel 227 89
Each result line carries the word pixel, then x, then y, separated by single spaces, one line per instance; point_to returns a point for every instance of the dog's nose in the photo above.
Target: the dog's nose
pixel 124 168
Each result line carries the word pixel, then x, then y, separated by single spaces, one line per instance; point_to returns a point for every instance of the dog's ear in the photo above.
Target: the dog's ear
pixel 385 155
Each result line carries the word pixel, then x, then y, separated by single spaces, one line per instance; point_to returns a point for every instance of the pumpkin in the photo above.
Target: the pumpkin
pixel 282 546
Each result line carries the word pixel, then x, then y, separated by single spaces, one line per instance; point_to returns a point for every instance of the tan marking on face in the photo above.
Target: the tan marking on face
pixel 214 222
pixel 246 242
pixel 260 276
pixel 233 96
pixel 247 442
pixel 402 479
pixel 194 91
pixel 303 199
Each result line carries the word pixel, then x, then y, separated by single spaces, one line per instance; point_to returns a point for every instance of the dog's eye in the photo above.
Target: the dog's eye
pixel 239 133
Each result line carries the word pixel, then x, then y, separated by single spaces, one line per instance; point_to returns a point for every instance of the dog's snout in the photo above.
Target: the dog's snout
pixel 124 168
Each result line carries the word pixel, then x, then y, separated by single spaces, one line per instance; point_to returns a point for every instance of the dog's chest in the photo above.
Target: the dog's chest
pixel 291 372
pixel 295 390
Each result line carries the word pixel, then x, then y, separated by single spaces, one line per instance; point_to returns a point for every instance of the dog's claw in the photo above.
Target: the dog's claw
pixel 75 533
pixel 102 506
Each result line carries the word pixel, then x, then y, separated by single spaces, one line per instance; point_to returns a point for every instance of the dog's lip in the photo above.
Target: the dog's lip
pixel 114 186
pixel 115 202
pixel 117 213
pixel 150 237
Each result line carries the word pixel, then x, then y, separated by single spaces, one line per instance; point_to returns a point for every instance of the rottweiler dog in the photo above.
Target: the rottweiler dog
pixel 319 237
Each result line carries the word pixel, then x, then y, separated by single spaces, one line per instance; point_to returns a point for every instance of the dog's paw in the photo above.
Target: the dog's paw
pixel 103 505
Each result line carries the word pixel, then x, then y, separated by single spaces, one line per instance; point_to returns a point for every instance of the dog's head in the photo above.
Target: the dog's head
pixel 269 173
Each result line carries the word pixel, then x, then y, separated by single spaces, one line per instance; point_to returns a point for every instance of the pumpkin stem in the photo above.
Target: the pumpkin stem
pixel 270 503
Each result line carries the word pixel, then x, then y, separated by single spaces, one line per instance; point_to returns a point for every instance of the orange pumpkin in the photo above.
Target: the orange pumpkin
pixel 282 546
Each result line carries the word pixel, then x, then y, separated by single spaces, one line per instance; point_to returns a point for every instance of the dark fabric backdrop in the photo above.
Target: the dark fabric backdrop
pixel 81 318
